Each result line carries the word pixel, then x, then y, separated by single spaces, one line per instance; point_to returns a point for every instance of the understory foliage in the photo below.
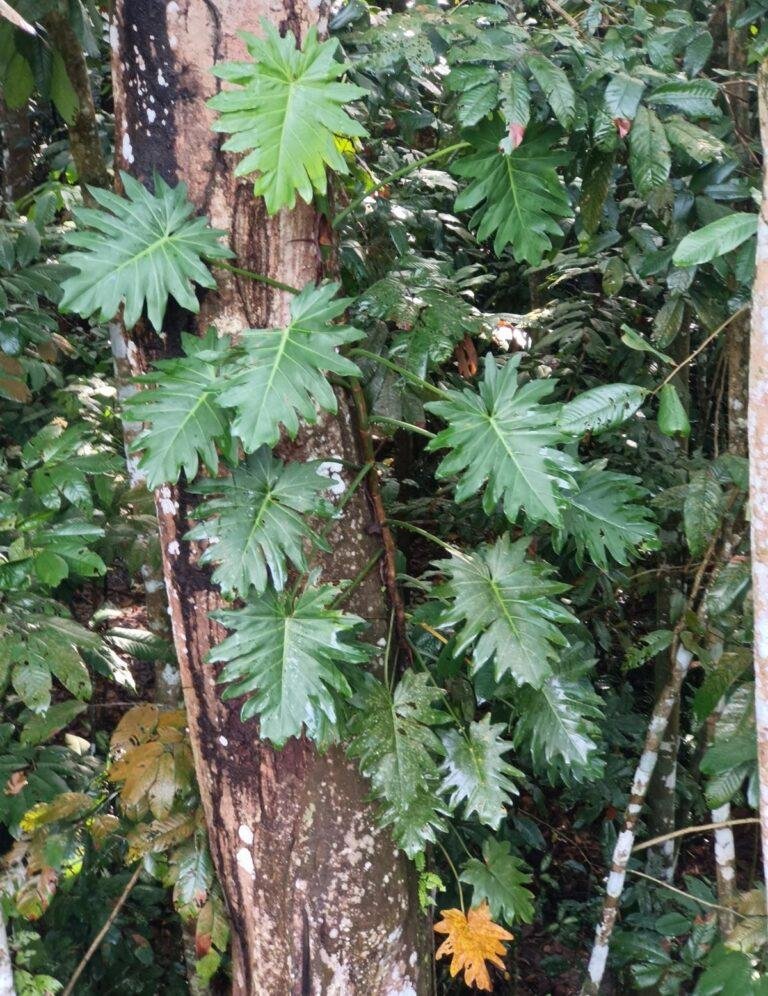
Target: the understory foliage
pixel 545 232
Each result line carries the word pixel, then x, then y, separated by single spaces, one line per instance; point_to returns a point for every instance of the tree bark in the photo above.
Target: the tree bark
pixel 758 469
pixel 319 900
pixel 84 142
pixel 16 141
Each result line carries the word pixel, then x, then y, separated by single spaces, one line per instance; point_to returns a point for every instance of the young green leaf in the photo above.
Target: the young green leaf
pixel 284 654
pixel 257 524
pixel 36 645
pixel 557 725
pixel 397 747
pixel 608 517
pixel 286 114
pixel 672 417
pixel 182 411
pixel 475 772
pixel 649 159
pixel 650 646
pixel 693 97
pixel 715 240
pixel 702 509
pixel 555 86
pixel 622 96
pixel 600 408
pixel 502 600
pixel 501 437
pixel 137 249
pixel 700 145
pixel 278 375
pixel 500 879
pixel 517 196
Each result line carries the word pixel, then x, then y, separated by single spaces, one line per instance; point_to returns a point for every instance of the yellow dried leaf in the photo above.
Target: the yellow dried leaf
pixel 163 788
pixel 66 806
pixel 472 941
pixel 176 718
pixel 159 835
pixel 136 727
pixel 101 826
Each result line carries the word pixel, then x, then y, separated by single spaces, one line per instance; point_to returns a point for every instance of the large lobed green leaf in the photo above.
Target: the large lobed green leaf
pixel 184 418
pixel 397 747
pixel 557 724
pixel 503 438
pixel 475 772
pixel 606 517
pixel 278 375
pixel 500 879
pixel 517 197
pixel 502 600
pixel 284 654
pixel 287 114
pixel 256 525
pixel 137 249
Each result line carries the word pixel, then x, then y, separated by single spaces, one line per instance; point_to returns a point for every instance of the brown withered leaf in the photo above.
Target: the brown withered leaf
pixel 472 940
pixel 136 727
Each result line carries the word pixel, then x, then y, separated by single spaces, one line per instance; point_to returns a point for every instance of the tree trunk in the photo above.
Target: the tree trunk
pixel 16 141
pixel 758 469
pixel 319 900
pixel 84 142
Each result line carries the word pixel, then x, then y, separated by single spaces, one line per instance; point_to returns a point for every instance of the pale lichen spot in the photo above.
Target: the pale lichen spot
pixel 245 834
pixel 245 861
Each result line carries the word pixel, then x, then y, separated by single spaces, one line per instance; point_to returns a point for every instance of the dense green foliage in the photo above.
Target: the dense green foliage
pixel 548 223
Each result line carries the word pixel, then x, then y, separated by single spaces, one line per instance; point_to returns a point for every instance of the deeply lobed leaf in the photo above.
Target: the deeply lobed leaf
pixel 285 654
pixel 257 524
pixel 287 114
pixel 138 249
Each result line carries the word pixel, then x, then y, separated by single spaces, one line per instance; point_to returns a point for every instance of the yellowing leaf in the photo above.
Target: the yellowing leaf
pixel 472 940
pixel 66 806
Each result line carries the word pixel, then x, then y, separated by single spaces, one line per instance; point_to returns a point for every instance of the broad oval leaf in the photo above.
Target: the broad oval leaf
pixel 672 417
pixel 715 240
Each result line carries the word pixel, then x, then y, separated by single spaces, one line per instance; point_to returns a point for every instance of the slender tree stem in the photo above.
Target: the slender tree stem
pixel 397 175
pixel 680 659
pixel 96 942
pixel 758 473
pixel 700 348
pixel 701 828
pixel 452 866
pixel 358 579
pixel 427 535
pixel 398 424
pixel 388 542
